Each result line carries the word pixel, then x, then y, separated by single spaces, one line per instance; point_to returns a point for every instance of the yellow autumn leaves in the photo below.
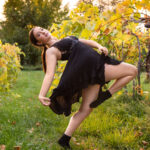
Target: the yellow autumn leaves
pixel 112 28
pixel 9 65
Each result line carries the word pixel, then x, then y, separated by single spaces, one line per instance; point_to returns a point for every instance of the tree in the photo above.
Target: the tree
pixel 148 64
pixel 22 15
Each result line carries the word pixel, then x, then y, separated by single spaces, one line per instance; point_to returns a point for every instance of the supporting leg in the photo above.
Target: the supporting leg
pixel 76 120
pixel 88 95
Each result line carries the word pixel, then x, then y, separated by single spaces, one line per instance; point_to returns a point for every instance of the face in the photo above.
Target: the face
pixel 42 35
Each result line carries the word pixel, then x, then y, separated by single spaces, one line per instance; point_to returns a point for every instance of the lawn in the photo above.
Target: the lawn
pixel 121 123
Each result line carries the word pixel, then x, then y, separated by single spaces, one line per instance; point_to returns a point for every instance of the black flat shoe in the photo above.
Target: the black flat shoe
pixel 101 98
pixel 65 146
pixel 64 142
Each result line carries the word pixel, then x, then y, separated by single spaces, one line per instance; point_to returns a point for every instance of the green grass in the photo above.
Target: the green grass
pixel 120 123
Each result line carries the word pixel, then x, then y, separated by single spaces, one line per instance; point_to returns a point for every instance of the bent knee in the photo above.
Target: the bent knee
pixel 134 71
pixel 86 111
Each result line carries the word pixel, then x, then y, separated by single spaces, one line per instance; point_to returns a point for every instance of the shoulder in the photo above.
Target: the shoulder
pixel 53 51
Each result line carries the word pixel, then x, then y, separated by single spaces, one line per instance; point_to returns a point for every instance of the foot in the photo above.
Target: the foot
pixel 66 146
pixel 64 142
pixel 101 98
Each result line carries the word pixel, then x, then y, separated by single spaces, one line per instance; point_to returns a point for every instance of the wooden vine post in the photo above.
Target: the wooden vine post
pixel 148 64
pixel 139 64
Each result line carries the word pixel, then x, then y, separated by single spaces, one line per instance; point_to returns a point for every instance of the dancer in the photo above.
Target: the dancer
pixel 84 75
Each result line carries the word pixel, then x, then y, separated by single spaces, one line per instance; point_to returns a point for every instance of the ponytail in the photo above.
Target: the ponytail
pixel 43 58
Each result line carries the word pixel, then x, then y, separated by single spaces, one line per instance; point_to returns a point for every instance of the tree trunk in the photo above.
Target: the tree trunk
pixel 134 87
pixel 148 64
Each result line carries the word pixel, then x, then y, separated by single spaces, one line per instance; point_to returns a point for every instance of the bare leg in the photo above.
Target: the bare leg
pixel 88 95
pixel 123 73
pixel 120 83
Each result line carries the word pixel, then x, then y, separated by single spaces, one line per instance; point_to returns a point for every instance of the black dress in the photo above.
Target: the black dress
pixel 84 67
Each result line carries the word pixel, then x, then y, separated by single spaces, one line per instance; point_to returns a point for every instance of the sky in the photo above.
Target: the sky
pixel 1 9
pixel 72 4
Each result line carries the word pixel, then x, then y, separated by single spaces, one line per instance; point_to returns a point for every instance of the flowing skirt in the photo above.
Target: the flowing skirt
pixel 85 67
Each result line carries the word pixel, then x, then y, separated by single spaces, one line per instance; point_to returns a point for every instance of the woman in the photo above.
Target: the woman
pixel 84 75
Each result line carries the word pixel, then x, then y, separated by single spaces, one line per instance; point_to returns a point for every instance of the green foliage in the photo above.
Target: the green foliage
pixel 9 65
pixel 21 16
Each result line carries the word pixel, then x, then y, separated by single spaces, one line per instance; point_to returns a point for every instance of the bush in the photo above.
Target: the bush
pixel 9 65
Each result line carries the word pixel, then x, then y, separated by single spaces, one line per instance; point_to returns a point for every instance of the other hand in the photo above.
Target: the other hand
pixel 103 50
pixel 45 100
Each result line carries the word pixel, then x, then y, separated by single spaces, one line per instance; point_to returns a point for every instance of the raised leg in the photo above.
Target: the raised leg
pixel 123 73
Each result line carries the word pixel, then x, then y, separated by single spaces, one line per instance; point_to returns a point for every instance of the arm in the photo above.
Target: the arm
pixel 91 43
pixel 51 61
pixel 94 44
